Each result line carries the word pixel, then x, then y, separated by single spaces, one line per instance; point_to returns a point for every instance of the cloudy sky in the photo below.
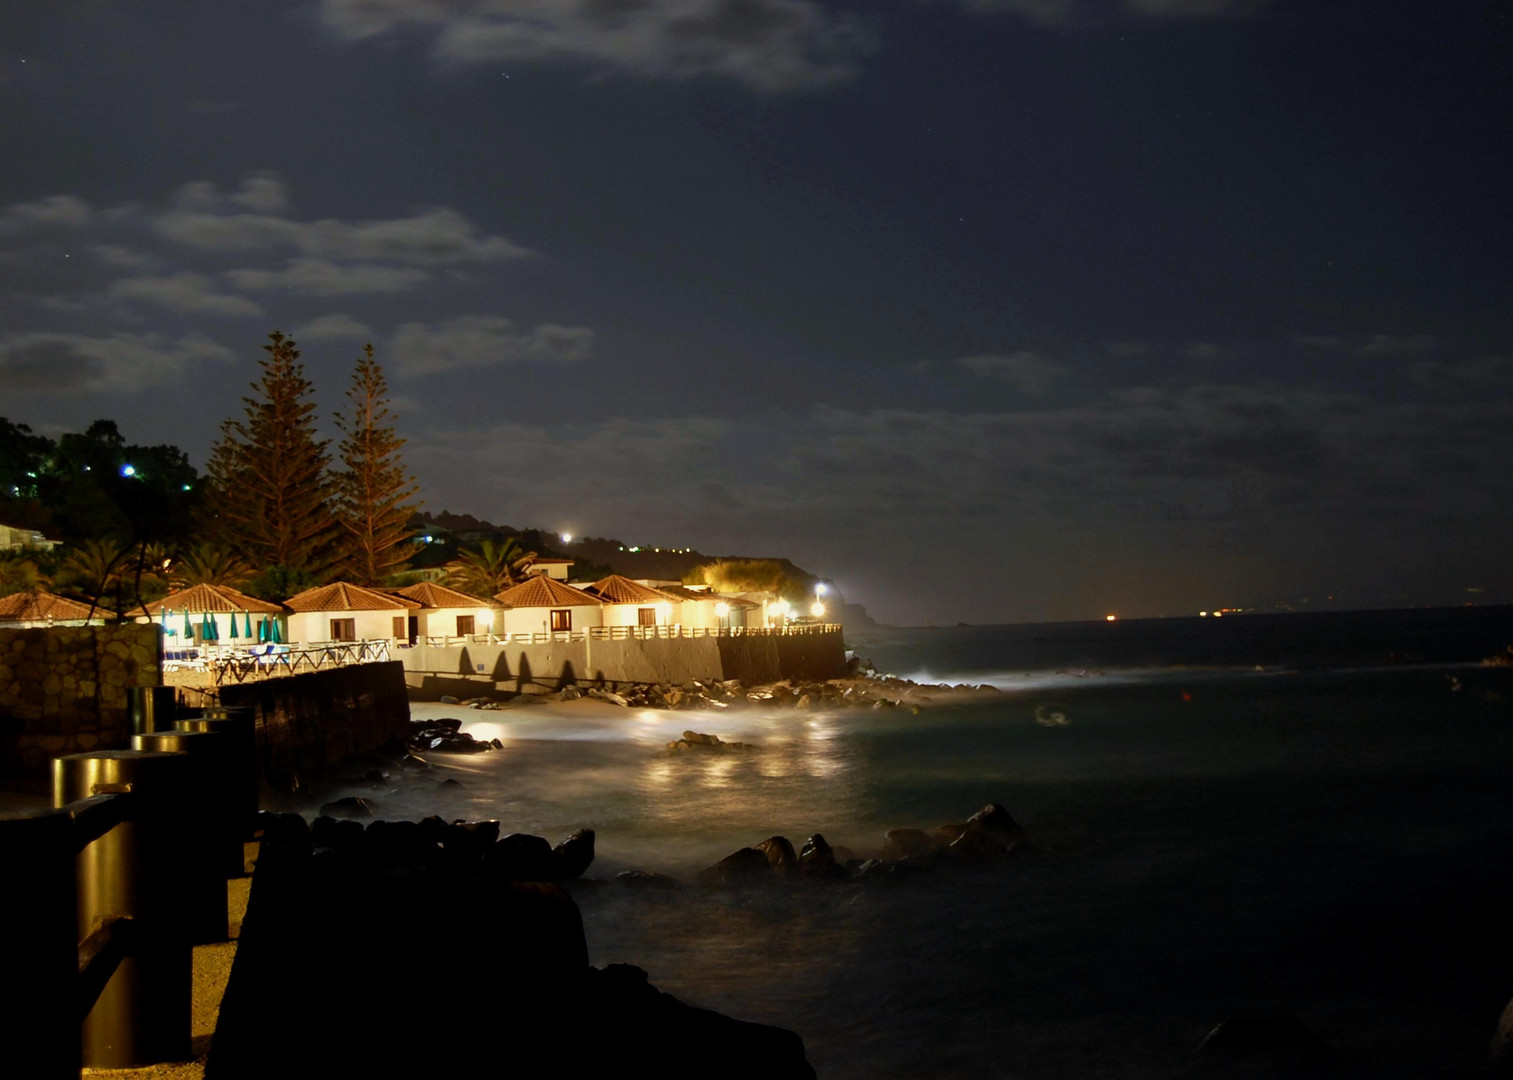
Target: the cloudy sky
pixel 992 310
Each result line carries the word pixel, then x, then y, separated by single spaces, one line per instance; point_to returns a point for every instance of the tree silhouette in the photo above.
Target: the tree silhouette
pixel 491 568
pixel 373 493
pixel 270 493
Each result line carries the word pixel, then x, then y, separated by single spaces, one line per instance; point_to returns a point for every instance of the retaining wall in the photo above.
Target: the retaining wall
pixel 465 670
pixel 309 722
pixel 63 689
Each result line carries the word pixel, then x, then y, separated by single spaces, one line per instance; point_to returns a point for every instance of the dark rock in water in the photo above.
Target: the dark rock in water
pixel 817 860
pixel 443 725
pixel 496 743
pixel 469 840
pixel 739 867
pixel 994 822
pixel 696 738
pixel 339 835
pixel 451 781
pixel 780 855
pixel 843 855
pixel 521 857
pixel 648 880
pixel 1255 1035
pixel 352 806
pixel 448 699
pixel 460 743
pixel 898 843
pixel 375 776
pixel 976 847
pixel 574 855
pixel 946 835
pixel 414 762
pixel 287 830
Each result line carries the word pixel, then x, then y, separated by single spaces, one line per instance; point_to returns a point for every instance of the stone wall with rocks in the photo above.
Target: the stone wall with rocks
pixel 309 722
pixel 63 689
pixel 465 670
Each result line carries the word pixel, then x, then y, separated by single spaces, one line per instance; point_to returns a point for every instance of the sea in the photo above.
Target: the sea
pixel 1299 815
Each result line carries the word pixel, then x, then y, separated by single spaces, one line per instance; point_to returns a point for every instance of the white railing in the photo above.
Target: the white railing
pixel 263 661
pixel 628 633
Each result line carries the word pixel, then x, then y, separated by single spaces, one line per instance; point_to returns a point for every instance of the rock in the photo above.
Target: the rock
pixel 805 702
pixel 352 806
pixel 817 860
pixel 496 744
pixel 695 738
pixel 520 857
pixel 898 843
pixel 945 835
pixel 1255 1035
pixel 1501 1050
pixel 610 696
pixel 739 867
pixel 396 843
pixel 451 781
pixel 976 847
pixel 285 830
pixel 648 880
pixel 414 763
pixel 469 841
pixel 339 835
pixel 780 855
pixel 574 855
pixel 994 822
pixel 448 699
pixel 571 693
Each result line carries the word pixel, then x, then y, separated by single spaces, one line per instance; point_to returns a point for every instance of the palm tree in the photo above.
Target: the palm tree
pixel 210 564
pixel 491 569
pixel 21 571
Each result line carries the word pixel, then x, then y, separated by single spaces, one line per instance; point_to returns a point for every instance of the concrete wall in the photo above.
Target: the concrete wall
pixel 309 722
pixel 462 671
pixel 63 689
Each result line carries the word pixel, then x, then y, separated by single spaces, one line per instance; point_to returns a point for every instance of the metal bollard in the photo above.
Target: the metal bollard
pixel 39 1027
pixel 214 844
pixel 152 708
pixel 242 781
pixel 137 869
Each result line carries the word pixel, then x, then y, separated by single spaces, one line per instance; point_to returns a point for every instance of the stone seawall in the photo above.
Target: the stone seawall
pixel 63 689
pixel 311 721
pixel 464 670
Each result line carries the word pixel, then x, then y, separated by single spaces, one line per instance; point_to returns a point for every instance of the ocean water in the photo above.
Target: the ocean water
pixel 1307 815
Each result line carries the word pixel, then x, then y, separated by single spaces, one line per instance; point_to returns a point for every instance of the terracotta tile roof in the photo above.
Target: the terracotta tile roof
pixel 542 591
pixel 344 596
pixel 30 607
pixel 213 598
pixel 622 590
pixel 433 595
pixel 554 561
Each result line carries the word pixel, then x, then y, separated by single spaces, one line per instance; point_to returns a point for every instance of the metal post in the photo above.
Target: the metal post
pixel 152 708
pixel 213 840
pixel 242 775
pixel 39 1028
pixel 137 870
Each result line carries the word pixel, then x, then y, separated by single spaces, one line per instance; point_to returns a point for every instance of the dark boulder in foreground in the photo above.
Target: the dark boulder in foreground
pixel 574 855
pixel 739 867
pixel 521 857
pixel 352 806
pixel 648 880
pixel 528 960
pixel 780 855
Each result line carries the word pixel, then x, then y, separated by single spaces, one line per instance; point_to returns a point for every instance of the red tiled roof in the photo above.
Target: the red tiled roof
pixel 213 598
pixel 433 595
pixel 344 596
pixel 37 607
pixel 542 591
pixel 622 590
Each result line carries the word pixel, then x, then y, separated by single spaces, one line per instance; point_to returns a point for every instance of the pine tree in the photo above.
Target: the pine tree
pixel 373 493
pixel 270 493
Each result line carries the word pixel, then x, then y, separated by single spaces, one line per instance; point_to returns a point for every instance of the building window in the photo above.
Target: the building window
pixel 343 629
pixel 646 616
pixel 399 626
pixel 464 625
pixel 562 619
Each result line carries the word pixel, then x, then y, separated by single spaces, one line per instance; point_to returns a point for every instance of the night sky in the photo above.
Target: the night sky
pixel 990 310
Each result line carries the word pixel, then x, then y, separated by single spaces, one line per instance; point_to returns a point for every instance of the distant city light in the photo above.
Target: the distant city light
pixel 186 487
pixel 126 470
pixel 1110 618
pixel 427 539
pixel 567 538
pixel 1204 614
pixel 820 588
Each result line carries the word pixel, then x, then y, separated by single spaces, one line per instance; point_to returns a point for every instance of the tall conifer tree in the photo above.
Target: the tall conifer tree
pixel 270 493
pixel 373 494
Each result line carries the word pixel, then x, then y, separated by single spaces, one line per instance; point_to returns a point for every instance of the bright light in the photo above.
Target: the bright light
pixel 485 615
pixel 817 609
pixel 1204 614
pixel 782 607
pixel 722 610
pixel 128 470
pixel 820 588
pixel 1218 614
pixel 1109 618
pixel 567 538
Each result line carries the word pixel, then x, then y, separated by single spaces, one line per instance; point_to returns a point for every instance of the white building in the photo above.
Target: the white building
pixel 630 603
pixel 342 611
pixel 446 612
pixel 544 605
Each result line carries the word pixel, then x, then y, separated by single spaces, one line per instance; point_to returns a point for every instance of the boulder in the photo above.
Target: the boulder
pixel 739 867
pixel 817 860
pixel 338 835
pixel 521 857
pixel 944 836
pixel 1501 1050
pixel 284 830
pixel 695 738
pixel 780 855
pixel 994 822
pixel 648 880
pixel 352 806
pixel 976 847
pixel 469 841
pixel 574 855
pixel 898 843
pixel 414 763
pixel 396 843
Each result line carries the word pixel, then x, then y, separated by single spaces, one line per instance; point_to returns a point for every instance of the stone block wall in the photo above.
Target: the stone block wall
pixel 63 689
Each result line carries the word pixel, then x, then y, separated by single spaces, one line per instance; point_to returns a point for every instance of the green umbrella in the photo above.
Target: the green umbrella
pixel 246 623
pixel 276 637
pixel 207 627
pixel 262 629
pixel 188 629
